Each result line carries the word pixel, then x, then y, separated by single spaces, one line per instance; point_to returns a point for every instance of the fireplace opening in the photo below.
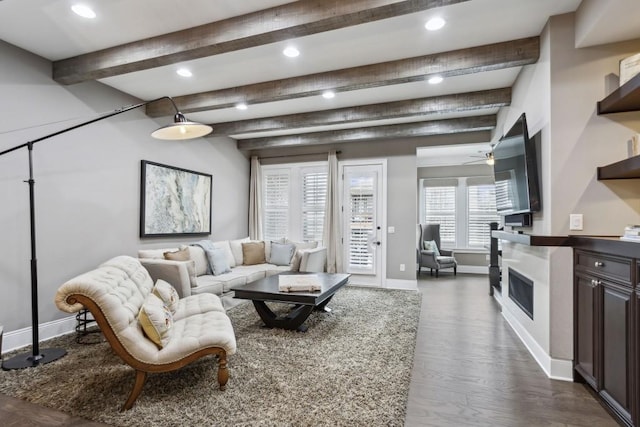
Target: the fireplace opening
pixel 521 291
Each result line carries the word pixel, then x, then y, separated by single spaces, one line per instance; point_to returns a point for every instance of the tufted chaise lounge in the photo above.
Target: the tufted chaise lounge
pixel 115 292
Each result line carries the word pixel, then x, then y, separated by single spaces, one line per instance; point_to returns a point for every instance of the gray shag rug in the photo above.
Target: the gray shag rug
pixel 351 368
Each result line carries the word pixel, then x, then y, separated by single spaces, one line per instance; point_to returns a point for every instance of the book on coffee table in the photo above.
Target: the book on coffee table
pixel 299 283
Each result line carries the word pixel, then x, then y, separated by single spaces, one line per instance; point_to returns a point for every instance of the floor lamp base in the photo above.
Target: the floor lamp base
pixel 22 361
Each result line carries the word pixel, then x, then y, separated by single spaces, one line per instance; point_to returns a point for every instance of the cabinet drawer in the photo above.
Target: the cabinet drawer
pixel 615 268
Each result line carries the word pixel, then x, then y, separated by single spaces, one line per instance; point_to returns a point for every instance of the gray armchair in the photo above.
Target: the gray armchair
pixel 434 258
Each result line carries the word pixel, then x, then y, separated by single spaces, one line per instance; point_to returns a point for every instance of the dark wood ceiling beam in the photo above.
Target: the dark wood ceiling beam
pixel 427 128
pixel 436 105
pixel 288 21
pixel 458 62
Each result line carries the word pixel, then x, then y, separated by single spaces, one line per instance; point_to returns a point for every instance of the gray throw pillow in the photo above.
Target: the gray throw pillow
pixel 218 261
pixel 281 253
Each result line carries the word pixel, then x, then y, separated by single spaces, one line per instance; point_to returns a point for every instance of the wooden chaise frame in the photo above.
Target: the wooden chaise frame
pixel 141 368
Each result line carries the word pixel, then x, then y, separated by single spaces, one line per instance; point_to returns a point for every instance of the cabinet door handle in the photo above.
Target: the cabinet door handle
pixel 598 264
pixel 595 282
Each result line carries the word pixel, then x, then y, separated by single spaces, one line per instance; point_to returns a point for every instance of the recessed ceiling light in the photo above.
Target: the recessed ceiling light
pixel 184 72
pixel 241 106
pixel 434 80
pixel 291 52
pixel 328 94
pixel 84 11
pixel 435 23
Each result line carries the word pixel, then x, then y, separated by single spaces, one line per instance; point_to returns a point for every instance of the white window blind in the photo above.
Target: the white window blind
pixel 294 198
pixel 314 198
pixel 276 203
pixel 361 222
pixel 481 205
pixel 440 208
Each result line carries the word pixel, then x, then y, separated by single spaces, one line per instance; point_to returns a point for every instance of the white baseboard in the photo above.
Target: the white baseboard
pixel 22 337
pixel 557 369
pixel 402 284
pixel 473 269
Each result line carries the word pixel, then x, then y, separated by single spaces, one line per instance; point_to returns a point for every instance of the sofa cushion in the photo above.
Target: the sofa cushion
pixel 281 253
pixel 253 253
pixel 276 269
pixel 156 320
pixel 207 284
pixel 236 249
pixel 197 304
pixel 167 294
pixel 200 258
pixel 252 272
pixel 226 247
pixel 154 253
pixel 218 261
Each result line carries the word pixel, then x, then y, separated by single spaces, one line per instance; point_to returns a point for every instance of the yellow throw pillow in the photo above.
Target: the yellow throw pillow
pixel 156 320
pixel 167 294
pixel 253 253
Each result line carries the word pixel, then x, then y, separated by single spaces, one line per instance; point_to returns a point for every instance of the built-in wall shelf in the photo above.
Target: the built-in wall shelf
pixel 624 169
pixel 625 98
pixel 531 239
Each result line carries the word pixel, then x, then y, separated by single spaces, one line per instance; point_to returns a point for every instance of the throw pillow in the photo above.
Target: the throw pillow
pixel 253 253
pixel 218 261
pixel 184 254
pixel 167 294
pixel 430 245
pixel 295 261
pixel 156 320
pixel 181 254
pixel 281 253
pixel 200 258
pixel 224 245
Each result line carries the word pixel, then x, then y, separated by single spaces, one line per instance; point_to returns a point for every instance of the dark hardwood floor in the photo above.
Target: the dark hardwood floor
pixel 470 368
pixel 19 413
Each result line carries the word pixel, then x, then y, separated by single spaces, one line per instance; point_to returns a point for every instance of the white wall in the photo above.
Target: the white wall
pixel 87 182
pixel 559 95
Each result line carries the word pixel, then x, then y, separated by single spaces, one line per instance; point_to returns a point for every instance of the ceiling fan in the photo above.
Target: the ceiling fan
pixel 483 156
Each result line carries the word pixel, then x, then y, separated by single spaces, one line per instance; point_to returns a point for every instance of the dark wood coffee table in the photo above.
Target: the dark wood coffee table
pixel 263 290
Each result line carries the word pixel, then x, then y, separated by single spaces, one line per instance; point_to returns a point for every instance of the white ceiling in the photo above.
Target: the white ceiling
pixel 50 29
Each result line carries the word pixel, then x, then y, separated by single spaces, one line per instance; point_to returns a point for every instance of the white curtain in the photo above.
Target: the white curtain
pixel 332 233
pixel 255 200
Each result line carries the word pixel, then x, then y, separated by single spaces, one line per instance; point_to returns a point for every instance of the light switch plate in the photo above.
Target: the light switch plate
pixel 575 222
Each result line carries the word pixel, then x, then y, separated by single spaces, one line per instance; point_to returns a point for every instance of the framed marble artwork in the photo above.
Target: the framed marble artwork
pixel 174 201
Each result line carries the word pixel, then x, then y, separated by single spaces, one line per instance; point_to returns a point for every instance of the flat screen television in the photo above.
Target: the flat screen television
pixel 516 171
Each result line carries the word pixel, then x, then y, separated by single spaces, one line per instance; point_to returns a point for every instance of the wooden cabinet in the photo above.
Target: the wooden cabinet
pixel 586 329
pixel 605 305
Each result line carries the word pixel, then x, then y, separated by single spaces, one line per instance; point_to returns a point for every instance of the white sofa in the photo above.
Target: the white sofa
pixel 307 257
pixel 119 291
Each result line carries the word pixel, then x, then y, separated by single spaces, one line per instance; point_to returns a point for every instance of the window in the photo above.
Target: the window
pixel 294 198
pixel 314 198
pixel 481 205
pixel 463 207
pixel 440 208
pixel 276 183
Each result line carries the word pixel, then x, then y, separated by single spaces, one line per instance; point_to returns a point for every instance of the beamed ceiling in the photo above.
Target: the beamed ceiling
pixel 375 55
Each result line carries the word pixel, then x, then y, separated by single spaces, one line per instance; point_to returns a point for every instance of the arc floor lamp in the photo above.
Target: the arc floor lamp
pixel 180 129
